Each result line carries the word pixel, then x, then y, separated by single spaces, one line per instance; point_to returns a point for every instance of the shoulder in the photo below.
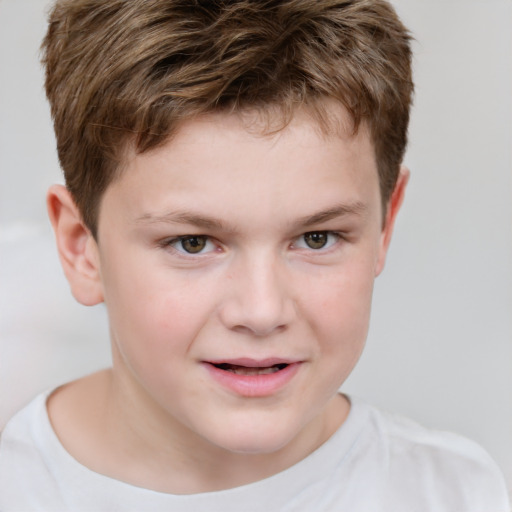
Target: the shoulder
pixel 19 431
pixel 446 467
pixel 410 442
pixel 25 456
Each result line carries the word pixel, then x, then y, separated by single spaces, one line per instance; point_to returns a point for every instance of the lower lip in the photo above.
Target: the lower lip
pixel 254 385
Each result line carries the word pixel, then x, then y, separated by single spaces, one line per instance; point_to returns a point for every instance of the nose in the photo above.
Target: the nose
pixel 258 298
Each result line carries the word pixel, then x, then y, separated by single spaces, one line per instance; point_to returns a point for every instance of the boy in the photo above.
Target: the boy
pixel 233 176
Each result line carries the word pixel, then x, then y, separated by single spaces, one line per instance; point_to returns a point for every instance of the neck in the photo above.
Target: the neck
pixel 167 456
pixel 110 425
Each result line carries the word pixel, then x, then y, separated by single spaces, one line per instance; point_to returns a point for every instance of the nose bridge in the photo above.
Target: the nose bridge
pixel 258 299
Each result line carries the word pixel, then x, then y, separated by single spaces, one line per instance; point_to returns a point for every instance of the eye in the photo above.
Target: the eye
pixel 192 244
pixel 317 240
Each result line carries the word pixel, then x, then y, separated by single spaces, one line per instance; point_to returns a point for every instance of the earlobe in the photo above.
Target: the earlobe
pixel 395 202
pixel 77 248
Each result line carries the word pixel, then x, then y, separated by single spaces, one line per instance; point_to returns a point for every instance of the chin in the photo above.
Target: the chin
pixel 255 439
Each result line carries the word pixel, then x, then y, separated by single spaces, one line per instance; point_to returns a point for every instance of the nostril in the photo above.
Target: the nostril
pixel 258 330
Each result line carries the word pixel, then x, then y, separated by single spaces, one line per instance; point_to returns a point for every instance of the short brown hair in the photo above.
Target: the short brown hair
pixel 121 71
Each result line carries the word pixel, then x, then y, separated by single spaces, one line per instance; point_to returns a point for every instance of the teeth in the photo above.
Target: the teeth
pixel 253 371
pixel 245 370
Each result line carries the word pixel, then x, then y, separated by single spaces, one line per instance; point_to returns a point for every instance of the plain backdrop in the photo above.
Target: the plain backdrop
pixel 440 342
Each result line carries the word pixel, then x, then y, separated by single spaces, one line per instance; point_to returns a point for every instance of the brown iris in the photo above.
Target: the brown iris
pixel 316 239
pixel 193 244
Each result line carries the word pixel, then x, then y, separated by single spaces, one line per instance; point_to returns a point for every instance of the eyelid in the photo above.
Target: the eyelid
pixel 170 243
pixel 212 245
pixel 336 234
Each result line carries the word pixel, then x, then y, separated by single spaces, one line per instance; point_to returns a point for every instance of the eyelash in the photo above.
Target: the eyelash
pixel 333 234
pixel 208 240
pixel 170 243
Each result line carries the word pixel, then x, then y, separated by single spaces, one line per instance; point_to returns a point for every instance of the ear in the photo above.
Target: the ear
pixel 394 204
pixel 77 248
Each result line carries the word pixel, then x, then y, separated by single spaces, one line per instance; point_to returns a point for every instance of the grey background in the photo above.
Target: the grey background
pixel 440 343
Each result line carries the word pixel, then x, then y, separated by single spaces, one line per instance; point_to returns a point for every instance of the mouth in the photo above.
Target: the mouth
pixel 253 378
pixel 250 370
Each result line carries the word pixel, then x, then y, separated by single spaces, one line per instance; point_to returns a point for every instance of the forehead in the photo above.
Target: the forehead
pixel 323 123
pixel 226 164
pixel 326 117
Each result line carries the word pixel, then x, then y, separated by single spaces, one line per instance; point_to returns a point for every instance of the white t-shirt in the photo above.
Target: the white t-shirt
pixel 374 462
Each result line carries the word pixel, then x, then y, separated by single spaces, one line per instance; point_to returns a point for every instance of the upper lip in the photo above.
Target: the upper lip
pixel 253 363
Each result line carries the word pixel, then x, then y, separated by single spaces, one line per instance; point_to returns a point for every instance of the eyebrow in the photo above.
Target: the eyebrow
pixel 212 223
pixel 184 217
pixel 342 210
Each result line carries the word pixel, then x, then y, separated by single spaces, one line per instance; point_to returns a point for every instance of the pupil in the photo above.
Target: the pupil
pixel 316 240
pixel 193 244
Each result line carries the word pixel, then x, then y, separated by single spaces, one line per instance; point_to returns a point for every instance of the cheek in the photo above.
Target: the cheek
pixel 151 336
pixel 339 307
pixel 154 316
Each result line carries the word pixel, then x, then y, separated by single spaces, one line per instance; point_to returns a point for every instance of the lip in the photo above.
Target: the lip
pixel 261 385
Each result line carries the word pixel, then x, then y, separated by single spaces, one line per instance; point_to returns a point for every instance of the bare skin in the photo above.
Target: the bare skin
pixel 223 254
pixel 83 417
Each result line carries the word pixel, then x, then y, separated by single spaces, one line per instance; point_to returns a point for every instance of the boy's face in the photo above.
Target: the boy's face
pixel 237 270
